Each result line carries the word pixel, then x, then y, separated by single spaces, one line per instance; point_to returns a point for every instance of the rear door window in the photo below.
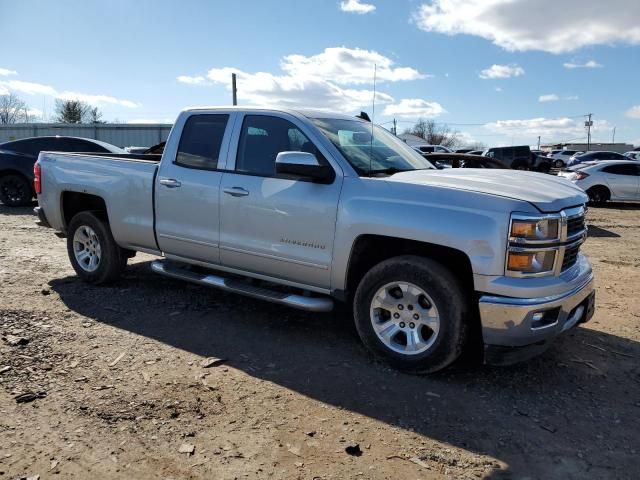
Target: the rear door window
pixel 621 169
pixel 201 141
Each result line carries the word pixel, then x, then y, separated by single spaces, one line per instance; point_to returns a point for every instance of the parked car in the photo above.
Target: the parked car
pixel 633 155
pixel 463 150
pixel 560 158
pixel 306 208
pixel 518 158
pixel 595 156
pixel 607 180
pixel 433 149
pixel 461 160
pixel 18 157
pixel 475 152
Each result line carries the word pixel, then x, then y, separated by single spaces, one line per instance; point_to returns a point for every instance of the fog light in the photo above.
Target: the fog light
pixel 544 318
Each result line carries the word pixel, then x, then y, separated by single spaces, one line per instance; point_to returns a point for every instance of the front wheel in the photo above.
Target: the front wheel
pixel 15 190
pixel 411 312
pixel 94 254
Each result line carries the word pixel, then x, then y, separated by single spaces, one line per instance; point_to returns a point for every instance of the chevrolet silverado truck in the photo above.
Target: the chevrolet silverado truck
pixel 308 209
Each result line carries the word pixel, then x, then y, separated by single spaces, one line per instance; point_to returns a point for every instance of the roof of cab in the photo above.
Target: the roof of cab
pixel 306 112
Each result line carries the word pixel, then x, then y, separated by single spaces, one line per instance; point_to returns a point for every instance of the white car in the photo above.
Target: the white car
pixel 559 158
pixel 633 155
pixel 607 180
pixel 433 149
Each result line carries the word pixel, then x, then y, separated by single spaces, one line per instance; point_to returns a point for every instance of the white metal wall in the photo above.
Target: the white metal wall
pixel 119 134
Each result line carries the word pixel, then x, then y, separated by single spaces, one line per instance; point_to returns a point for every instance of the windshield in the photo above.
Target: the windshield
pixel 382 154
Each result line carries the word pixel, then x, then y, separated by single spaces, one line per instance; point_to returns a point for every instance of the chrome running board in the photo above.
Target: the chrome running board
pixel 310 304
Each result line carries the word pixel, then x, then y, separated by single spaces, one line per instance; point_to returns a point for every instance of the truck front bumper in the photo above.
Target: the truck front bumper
pixel 515 329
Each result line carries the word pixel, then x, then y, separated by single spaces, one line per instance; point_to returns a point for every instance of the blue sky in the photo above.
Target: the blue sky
pixel 499 71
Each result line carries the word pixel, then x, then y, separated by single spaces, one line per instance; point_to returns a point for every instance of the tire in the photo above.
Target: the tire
pixel 442 291
pixel 598 195
pixel 89 234
pixel 544 167
pixel 15 190
pixel 558 164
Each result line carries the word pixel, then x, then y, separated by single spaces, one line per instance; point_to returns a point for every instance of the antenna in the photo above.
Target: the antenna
pixel 373 115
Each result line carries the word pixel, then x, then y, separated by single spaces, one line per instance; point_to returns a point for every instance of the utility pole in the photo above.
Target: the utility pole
pixel 613 137
pixel 395 127
pixel 26 115
pixel 588 124
pixel 538 142
pixel 234 89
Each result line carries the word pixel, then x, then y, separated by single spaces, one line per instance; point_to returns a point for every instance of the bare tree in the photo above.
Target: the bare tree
pixel 12 109
pixel 77 111
pixel 435 133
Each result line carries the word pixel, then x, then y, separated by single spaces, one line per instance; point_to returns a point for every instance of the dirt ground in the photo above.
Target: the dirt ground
pixel 121 392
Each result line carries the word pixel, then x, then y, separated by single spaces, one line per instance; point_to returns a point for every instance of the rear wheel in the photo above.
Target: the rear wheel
pixel 598 195
pixel 94 254
pixel 558 164
pixel 411 312
pixel 15 190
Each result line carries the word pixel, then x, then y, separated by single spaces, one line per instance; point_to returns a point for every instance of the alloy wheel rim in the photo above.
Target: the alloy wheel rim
pixel 405 318
pixel 87 249
pixel 13 191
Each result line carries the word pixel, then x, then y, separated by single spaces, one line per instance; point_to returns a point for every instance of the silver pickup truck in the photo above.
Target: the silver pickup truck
pixel 307 209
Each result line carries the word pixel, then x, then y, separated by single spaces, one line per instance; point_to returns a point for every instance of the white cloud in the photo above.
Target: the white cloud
pixel 32 88
pixel 4 72
pixel 547 25
pixel 501 71
pixel 546 127
pixel 318 81
pixel 588 64
pixel 633 112
pixel 348 66
pixel 498 89
pixel 414 108
pixel 356 6
pixel 97 100
pixel 196 80
pixel 572 97
pixel 551 97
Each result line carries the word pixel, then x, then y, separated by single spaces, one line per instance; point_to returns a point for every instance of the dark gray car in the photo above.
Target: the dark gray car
pixel 18 157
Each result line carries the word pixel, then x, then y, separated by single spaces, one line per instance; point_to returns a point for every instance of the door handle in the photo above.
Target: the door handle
pixel 170 182
pixel 236 191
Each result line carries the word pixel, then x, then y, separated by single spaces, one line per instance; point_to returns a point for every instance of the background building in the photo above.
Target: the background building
pixel 582 147
pixel 119 134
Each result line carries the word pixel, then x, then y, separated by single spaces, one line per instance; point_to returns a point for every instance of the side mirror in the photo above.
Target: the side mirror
pixel 304 165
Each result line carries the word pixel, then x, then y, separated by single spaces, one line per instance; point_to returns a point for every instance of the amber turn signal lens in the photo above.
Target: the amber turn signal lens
pixel 520 261
pixel 523 229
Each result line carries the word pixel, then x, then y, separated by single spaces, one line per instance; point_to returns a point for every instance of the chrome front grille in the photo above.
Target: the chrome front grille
pixel 570 257
pixel 575 233
pixel 575 225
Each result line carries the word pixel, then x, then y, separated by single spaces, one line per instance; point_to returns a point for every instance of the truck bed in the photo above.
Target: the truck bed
pixel 125 182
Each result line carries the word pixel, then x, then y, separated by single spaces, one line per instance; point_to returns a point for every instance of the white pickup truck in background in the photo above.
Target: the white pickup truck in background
pixel 305 208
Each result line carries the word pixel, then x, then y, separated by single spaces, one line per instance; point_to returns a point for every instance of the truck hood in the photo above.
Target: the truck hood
pixel 545 192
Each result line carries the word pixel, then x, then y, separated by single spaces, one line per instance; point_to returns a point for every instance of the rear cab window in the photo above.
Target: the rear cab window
pixel 201 141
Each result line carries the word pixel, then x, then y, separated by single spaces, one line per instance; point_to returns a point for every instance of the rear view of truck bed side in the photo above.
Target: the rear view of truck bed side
pixel 123 187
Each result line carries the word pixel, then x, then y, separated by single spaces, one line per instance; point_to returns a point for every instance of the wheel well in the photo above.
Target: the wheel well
pixel 76 202
pixel 369 250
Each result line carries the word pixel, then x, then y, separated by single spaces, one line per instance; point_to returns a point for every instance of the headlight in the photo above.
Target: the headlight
pixel 542 229
pixel 531 262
